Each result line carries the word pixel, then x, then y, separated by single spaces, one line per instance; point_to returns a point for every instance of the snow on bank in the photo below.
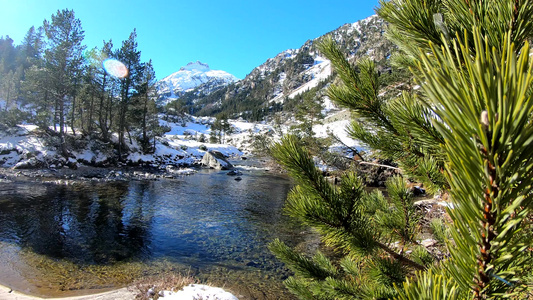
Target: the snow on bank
pixel 199 291
pixel 18 144
pixel 184 145
pixel 337 128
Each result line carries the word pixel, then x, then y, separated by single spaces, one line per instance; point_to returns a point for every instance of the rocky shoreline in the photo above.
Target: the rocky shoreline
pixel 7 293
pixel 126 172
pixel 87 173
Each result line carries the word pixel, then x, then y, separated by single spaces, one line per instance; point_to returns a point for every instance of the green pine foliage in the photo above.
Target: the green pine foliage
pixel 485 106
pixel 400 129
pixel 372 234
pixel 440 230
pixel 466 132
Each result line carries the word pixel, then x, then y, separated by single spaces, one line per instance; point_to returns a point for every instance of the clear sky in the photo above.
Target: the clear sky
pixel 233 35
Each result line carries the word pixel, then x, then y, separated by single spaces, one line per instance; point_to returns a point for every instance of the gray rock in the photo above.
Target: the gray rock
pixel 31 163
pixel 428 242
pixel 216 160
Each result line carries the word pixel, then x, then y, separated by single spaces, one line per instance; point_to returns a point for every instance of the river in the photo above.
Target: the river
pixel 59 240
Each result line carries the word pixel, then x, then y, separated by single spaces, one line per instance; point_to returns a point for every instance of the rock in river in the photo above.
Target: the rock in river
pixel 216 160
pixel 234 173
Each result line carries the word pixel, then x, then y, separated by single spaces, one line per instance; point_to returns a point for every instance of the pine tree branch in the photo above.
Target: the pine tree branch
pixel 379 165
pixel 400 258
pixel 355 151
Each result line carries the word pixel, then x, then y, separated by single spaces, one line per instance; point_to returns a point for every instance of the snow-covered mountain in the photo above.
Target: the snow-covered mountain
pixel 194 76
pixel 292 73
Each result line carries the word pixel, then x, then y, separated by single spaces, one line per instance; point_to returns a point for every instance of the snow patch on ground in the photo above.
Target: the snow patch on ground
pixel 328 105
pixel 16 145
pixel 338 128
pixel 199 291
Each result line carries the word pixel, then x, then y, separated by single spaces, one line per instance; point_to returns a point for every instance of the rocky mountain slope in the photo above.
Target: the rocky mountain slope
pixel 292 72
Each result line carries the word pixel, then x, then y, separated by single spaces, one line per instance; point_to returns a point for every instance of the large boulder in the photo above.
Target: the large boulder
pixel 216 160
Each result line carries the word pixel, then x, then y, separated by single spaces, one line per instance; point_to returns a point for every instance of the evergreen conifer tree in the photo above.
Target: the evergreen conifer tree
pixel 130 56
pixel 31 49
pixel 105 94
pixel 146 105
pixel 63 62
pixel 467 132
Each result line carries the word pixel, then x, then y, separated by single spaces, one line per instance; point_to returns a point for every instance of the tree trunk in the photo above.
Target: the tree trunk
pixel 91 111
pixel 109 109
pixel 63 144
pixel 129 135
pixel 121 133
pixel 46 101
pixel 56 112
pixel 102 117
pixel 82 120
pixel 145 141
pixel 73 108
pixel 8 96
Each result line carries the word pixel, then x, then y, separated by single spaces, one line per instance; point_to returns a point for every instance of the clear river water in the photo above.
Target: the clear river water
pixel 58 240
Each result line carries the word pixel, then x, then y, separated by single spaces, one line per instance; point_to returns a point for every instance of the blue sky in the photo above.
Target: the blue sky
pixel 234 36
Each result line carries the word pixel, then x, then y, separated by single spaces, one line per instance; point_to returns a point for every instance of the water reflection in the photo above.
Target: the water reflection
pixel 201 221
pixel 86 223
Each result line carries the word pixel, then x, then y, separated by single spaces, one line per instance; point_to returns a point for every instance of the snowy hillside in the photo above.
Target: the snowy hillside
pixel 189 77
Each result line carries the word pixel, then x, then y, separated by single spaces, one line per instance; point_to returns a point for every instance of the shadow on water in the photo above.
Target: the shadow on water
pixel 207 225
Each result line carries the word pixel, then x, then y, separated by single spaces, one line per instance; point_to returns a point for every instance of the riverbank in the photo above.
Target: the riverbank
pixel 89 173
pixel 7 293
pixel 190 292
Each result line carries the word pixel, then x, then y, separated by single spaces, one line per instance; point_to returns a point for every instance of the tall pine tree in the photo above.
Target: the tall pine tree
pixel 63 63
pixel 105 92
pixel 130 56
pixel 146 106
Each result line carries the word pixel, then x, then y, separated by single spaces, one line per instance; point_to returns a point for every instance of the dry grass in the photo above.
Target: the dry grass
pixel 150 286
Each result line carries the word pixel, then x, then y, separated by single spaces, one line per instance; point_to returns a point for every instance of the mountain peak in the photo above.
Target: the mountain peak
pixel 190 77
pixel 198 65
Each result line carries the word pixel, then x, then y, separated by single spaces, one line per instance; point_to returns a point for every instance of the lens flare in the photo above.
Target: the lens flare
pixel 115 68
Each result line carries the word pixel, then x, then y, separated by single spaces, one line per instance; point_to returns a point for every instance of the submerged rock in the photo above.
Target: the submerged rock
pixel 234 173
pixel 179 171
pixel 216 160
